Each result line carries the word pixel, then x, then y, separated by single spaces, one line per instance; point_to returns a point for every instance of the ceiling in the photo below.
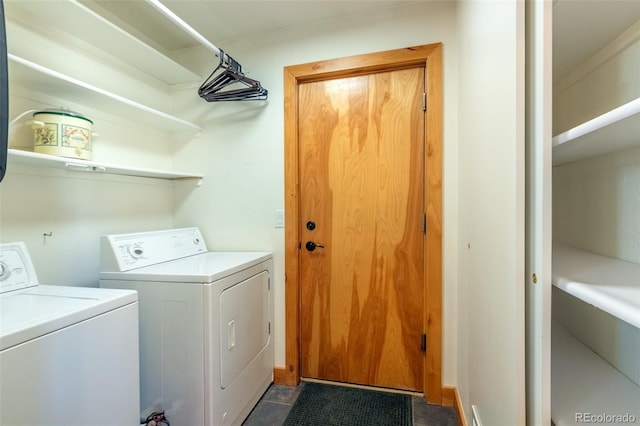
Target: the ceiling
pixel 221 20
pixel 580 28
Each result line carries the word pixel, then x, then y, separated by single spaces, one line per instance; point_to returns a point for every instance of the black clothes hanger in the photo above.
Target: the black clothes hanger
pixel 229 73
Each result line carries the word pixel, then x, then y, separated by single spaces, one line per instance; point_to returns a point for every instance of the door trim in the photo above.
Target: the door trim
pixel 430 57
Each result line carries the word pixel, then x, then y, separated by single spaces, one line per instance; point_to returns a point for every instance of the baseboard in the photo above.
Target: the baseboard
pixel 451 398
pixel 281 376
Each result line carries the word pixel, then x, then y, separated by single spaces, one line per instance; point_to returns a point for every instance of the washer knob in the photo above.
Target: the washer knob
pixel 5 272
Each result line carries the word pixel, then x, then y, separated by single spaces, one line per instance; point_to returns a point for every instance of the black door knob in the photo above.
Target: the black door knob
pixel 311 246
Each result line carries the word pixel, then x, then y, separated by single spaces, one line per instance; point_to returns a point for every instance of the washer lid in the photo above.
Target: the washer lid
pixel 199 269
pixel 32 312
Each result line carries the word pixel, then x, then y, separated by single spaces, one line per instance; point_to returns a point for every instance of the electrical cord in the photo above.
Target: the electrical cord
pixel 156 419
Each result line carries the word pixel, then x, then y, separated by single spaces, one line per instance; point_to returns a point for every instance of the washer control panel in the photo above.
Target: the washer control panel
pixel 130 251
pixel 16 268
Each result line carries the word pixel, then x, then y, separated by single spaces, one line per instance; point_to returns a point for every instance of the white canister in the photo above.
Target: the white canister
pixel 63 133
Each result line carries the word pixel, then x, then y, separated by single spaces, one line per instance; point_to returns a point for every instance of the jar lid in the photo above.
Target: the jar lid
pixel 64 112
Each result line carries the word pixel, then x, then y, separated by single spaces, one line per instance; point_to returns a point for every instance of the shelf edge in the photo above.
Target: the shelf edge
pixel 73 81
pixel 610 285
pixel 70 164
pixel 604 120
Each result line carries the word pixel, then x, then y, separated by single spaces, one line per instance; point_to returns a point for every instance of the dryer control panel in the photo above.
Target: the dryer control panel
pixel 125 252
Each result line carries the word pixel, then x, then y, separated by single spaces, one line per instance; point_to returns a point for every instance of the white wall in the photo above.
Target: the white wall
pixel 241 153
pixel 242 149
pixel 491 229
pixel 76 211
pixel 76 207
pixel 596 204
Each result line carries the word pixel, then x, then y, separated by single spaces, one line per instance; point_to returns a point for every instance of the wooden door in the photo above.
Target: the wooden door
pixel 361 165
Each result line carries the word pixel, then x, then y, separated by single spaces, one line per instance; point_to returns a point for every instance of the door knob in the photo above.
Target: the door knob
pixel 311 246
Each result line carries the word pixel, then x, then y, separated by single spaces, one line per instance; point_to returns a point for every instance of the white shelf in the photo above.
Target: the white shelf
pixel 609 284
pixel 582 383
pixel 35 159
pixel 612 131
pixel 31 75
pixel 73 17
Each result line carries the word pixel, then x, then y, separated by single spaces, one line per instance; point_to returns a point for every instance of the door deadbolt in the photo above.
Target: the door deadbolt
pixel 311 225
pixel 311 246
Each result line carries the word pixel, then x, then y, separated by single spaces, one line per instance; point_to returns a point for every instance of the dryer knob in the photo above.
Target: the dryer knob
pixel 136 251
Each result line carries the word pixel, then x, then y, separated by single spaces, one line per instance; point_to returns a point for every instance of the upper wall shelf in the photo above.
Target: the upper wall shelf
pixel 28 74
pixel 43 160
pixel 82 22
pixel 612 131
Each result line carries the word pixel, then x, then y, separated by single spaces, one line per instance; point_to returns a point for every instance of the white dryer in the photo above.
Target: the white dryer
pixel 205 323
pixel 68 355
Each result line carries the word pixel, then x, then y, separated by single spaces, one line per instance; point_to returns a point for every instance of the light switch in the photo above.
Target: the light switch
pixel 279 218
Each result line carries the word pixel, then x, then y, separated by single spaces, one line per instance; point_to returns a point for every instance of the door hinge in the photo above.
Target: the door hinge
pixel 269 283
pixel 423 343
pixel 424 223
pixel 269 327
pixel 424 101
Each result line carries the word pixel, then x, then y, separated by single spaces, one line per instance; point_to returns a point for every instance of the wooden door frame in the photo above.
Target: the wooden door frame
pixel 430 57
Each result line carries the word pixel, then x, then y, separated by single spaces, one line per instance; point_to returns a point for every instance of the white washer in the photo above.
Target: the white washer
pixel 205 323
pixel 68 355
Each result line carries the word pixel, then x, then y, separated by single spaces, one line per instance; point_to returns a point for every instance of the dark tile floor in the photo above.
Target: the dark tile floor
pixel 275 404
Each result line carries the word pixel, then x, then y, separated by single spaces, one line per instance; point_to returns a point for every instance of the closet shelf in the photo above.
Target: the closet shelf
pixel 609 284
pixel 43 160
pixel 612 131
pixel 582 383
pixel 28 74
pixel 85 24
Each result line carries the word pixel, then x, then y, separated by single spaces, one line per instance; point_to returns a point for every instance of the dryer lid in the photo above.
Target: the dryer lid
pixel 200 269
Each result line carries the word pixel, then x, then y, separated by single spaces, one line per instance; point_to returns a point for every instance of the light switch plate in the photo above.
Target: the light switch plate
pixel 279 218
